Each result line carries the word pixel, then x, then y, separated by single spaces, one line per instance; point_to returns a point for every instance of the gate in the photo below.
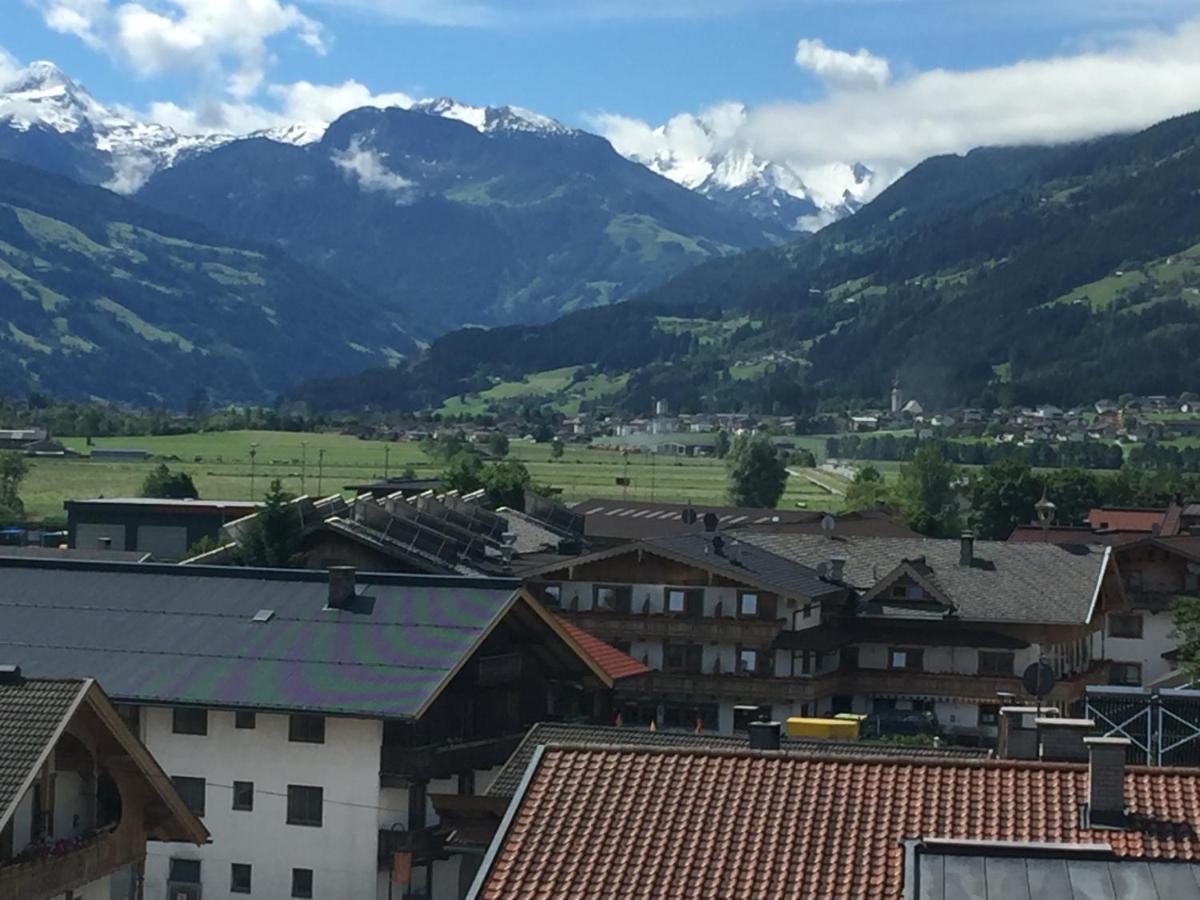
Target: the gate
pixel 1163 727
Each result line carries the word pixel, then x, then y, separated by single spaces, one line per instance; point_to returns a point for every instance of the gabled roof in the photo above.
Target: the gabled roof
pixel 1006 582
pixel 737 561
pixel 34 715
pixel 596 822
pixel 616 665
pixel 569 734
pixel 187 634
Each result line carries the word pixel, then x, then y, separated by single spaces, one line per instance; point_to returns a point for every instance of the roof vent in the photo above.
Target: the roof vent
pixel 341 586
pixel 264 615
pixel 10 674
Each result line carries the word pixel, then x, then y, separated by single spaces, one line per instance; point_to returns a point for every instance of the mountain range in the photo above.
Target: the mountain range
pixel 1007 275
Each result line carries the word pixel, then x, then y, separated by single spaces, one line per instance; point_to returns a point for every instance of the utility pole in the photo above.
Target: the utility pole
pixel 387 450
pixel 320 469
pixel 303 460
pixel 253 453
pixel 653 460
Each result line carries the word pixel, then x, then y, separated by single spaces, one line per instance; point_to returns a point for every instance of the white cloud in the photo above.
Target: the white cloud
pixel 367 166
pixel 840 70
pixel 220 38
pixel 1130 84
pixel 303 101
pixel 9 66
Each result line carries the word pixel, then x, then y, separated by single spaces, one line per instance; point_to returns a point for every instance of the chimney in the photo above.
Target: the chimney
pixel 966 549
pixel 1106 780
pixel 837 568
pixel 10 674
pixel 1062 739
pixel 104 543
pixel 764 735
pixel 341 587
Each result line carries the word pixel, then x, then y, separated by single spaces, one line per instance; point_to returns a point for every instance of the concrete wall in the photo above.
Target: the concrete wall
pixel 342 852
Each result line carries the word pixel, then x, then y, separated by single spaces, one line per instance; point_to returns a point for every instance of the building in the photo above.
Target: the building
pixel 21 438
pixel 306 716
pixel 79 794
pixel 698 823
pixel 166 529
pixel 909 631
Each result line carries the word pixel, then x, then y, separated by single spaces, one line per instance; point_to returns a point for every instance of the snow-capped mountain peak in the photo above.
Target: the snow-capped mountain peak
pixel 487 119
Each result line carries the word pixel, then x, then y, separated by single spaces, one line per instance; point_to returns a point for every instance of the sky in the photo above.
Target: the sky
pixel 809 82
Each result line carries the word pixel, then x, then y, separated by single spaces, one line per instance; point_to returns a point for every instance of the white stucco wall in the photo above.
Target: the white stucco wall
pixel 1148 650
pixel 341 853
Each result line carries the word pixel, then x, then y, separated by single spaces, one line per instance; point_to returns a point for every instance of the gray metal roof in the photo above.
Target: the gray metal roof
pixel 32 712
pixel 1025 582
pixel 186 634
pixel 1041 873
pixel 566 734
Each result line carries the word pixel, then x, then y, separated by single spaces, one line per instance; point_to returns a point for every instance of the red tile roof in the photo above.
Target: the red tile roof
pixel 615 663
pixel 701 824
pixel 1118 519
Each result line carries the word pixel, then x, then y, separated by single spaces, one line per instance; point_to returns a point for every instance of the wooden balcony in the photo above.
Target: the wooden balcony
pixel 52 875
pixel 399 764
pixel 690 629
pixel 878 682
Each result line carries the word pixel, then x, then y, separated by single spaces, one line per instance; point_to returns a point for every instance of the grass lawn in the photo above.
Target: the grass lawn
pixel 219 462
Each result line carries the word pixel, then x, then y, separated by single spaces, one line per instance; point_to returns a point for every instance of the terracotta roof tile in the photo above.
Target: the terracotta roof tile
pixel 691 824
pixel 615 663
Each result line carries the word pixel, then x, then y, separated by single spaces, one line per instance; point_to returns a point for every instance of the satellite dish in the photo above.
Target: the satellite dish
pixel 689 516
pixel 1038 679
pixel 710 521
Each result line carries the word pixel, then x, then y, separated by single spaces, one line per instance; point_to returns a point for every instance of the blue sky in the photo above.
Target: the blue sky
pixel 885 81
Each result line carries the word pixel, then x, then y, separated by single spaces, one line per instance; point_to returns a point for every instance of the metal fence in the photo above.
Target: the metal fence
pixel 1163 727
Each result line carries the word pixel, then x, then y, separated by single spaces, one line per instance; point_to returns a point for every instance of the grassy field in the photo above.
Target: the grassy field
pixel 219 462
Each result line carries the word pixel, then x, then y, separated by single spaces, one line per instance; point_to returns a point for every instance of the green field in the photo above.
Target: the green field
pixel 219 462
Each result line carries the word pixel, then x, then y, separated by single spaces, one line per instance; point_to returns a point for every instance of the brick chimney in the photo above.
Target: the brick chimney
pixel 1106 780
pixel 966 549
pixel 341 587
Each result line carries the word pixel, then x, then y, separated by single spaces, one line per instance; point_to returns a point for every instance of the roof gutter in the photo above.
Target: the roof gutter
pixel 1099 583
pixel 510 814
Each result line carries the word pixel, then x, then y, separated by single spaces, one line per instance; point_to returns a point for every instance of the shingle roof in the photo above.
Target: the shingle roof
pixel 32 712
pixel 737 561
pixel 617 664
pixel 654 823
pixel 608 736
pixel 1045 583
pixel 186 634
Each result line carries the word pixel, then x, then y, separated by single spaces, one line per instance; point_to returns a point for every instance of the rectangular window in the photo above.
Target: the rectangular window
pixel 748 604
pixel 184 871
pixel 417 805
pixel 992 662
pixel 189 720
pixel 192 791
pixel 747 662
pixel 239 878
pixel 1129 674
pixel 306 729
pixel 989 715
pixel 302 883
pixel 676 600
pixel 615 598
pixel 1124 625
pixel 681 601
pixel 304 805
pixel 243 795
pixel 244 719
pixel 906 659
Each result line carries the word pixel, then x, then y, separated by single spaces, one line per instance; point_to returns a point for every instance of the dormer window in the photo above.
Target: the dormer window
pixel 907 592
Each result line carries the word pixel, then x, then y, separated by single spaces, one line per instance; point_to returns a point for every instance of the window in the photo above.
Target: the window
pixel 184 871
pixel 552 595
pixel 615 598
pixel 747 662
pixel 302 882
pixel 243 795
pixel 131 716
pixel 810 661
pixel 239 878
pixel 306 729
pixel 676 600
pixel 989 715
pixel 682 657
pixel 905 659
pixel 748 604
pixel 1125 673
pixel 683 602
pixel 1124 625
pixel 808 610
pixel 993 662
pixel 243 719
pixel 189 720
pixel 304 805
pixel 192 791
pixel 417 805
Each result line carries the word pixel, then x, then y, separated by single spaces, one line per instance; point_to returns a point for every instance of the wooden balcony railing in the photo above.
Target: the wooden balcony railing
pixel 398 762
pixel 620 627
pixel 770 689
pixel 49 876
